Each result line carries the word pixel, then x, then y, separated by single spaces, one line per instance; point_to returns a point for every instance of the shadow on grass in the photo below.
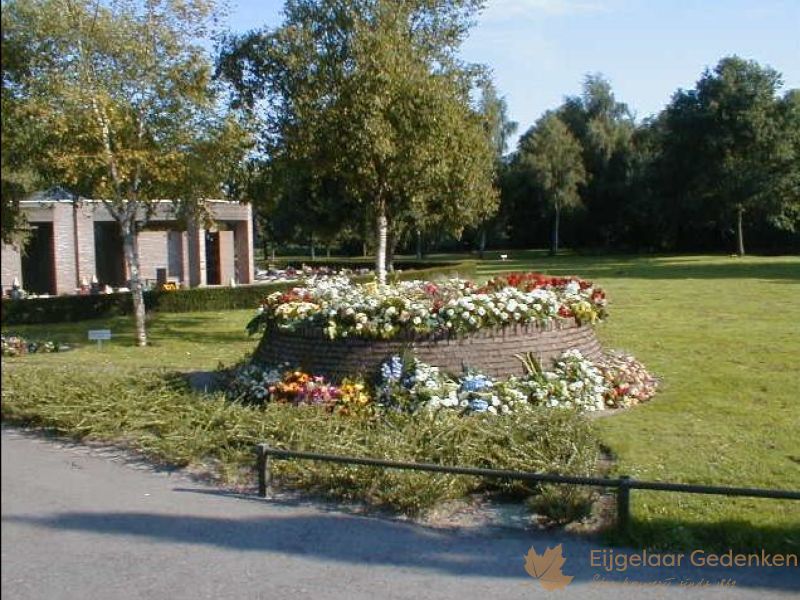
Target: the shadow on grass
pixel 739 535
pixel 615 269
pixel 358 540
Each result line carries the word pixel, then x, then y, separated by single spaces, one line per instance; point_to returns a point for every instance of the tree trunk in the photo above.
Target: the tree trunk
pixel 382 227
pixel 273 253
pixel 130 246
pixel 739 231
pixel 554 243
pixel 313 249
pixel 419 245
pixel 327 250
pixel 482 243
pixel 391 246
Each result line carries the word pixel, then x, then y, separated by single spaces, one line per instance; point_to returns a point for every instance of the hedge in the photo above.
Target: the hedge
pixel 77 308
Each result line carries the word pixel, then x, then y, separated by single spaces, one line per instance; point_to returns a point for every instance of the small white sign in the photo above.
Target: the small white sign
pixel 99 334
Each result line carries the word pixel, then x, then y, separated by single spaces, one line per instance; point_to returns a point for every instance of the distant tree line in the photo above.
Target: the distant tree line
pixel 717 169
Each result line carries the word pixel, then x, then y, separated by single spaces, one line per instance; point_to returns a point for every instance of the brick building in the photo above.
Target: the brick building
pixel 73 241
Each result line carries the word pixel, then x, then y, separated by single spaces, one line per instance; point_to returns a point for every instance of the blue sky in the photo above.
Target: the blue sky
pixel 540 50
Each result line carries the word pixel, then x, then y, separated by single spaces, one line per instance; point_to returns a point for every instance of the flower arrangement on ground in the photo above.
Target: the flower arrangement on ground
pixel 407 385
pixel 455 306
pixel 14 345
pixel 254 384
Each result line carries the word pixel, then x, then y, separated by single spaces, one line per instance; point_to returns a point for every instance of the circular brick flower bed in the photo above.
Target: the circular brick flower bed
pixel 489 350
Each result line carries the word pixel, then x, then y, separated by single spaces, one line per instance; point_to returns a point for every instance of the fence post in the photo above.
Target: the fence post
pixel 623 503
pixel 263 469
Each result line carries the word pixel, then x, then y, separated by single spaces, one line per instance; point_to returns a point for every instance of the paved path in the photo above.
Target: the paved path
pixel 78 525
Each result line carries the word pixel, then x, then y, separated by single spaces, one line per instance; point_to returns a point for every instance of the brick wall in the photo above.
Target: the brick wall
pixel 64 248
pixel 175 243
pixel 11 266
pixel 490 351
pixel 84 242
pixel 226 258
pixel 153 253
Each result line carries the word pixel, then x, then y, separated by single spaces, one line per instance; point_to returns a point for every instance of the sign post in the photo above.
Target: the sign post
pixel 99 335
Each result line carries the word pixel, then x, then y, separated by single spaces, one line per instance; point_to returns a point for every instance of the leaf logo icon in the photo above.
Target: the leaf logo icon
pixel 547 568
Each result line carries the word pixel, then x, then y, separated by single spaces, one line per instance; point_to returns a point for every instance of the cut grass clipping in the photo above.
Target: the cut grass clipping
pixel 164 420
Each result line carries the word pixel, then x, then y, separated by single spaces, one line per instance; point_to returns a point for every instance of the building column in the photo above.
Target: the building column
pixel 243 237
pixel 197 254
pixel 84 242
pixel 66 271
pixel 226 258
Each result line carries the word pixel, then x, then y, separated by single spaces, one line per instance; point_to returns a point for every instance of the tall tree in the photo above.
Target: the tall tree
pixel 604 128
pixel 728 141
pixel 370 94
pixel 551 156
pixel 22 137
pixel 499 127
pixel 124 89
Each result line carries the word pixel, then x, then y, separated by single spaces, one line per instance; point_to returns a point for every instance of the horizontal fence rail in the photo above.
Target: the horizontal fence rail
pixel 623 484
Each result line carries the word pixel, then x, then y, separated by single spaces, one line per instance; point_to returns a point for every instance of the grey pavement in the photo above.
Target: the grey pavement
pixel 77 524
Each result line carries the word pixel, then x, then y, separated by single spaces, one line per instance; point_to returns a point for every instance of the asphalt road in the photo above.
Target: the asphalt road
pixel 83 524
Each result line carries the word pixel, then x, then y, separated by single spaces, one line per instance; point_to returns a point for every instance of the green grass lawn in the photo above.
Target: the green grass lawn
pixel 722 333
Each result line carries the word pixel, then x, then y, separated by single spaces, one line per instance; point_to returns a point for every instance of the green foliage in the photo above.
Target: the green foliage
pixel 164 420
pixel 366 109
pixel 726 137
pixel 563 503
pixel 531 365
pixel 123 91
pixel 723 157
pixel 550 154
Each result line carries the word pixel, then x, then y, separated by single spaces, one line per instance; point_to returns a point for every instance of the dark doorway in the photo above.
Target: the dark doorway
pixel 212 258
pixel 38 260
pixel 108 256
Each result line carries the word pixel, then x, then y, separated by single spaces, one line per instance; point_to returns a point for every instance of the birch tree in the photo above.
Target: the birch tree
pixel 371 94
pixel 551 155
pixel 124 89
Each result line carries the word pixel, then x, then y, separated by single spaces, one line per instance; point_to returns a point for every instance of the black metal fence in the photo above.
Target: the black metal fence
pixel 265 454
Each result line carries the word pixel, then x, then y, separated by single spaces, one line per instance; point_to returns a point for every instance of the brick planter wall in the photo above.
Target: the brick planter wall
pixel 491 351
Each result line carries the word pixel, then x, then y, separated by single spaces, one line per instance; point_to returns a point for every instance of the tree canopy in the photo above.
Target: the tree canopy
pixel 369 99
pixel 720 160
pixel 123 93
pixel 551 156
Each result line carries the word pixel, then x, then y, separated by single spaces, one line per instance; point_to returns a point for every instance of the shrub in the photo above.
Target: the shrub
pixel 163 419
pixel 78 308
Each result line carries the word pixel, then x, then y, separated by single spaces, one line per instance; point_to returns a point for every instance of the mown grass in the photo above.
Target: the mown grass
pixel 196 341
pixel 720 332
pixel 723 334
